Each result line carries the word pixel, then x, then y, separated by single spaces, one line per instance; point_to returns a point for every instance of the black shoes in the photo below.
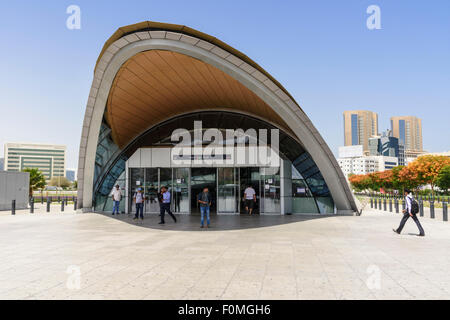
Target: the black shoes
pixel 421 235
pixel 162 222
pixel 395 231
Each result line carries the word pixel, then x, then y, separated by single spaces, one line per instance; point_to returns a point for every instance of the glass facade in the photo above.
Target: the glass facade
pixel 354 125
pixel 310 194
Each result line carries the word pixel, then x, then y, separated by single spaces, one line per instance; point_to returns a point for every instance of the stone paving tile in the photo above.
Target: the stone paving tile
pixel 261 257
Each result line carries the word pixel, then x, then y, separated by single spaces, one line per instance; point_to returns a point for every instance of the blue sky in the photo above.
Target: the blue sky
pixel 321 51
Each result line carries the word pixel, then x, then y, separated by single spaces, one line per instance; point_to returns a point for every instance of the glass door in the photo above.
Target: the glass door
pixel 226 185
pixel 270 180
pixel 151 190
pixel 136 181
pixel 181 190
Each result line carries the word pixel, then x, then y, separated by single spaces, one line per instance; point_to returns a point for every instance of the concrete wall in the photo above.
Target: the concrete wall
pixel 14 186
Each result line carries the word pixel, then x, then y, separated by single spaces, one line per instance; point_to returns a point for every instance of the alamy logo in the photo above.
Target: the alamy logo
pixel 235 147
pixel 73 22
pixel 374 20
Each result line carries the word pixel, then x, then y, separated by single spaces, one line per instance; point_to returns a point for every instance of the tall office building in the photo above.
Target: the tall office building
pixel 359 126
pixel 408 130
pixel 2 162
pixel 49 159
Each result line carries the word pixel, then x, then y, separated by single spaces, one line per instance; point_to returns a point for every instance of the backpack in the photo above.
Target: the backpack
pixel 414 206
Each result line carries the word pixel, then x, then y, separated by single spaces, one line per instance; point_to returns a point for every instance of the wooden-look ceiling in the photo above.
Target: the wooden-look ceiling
pixel 157 85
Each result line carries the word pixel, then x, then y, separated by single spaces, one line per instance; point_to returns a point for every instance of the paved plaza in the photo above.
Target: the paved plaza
pixel 93 256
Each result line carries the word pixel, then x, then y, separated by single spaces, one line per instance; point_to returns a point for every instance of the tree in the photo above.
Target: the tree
pixel 428 168
pixel 59 182
pixel 443 179
pixel 75 184
pixel 37 179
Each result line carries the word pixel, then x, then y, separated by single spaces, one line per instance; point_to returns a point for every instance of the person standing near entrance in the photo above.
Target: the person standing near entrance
pixel 139 198
pixel 204 199
pixel 411 210
pixel 116 197
pixel 250 199
pixel 165 205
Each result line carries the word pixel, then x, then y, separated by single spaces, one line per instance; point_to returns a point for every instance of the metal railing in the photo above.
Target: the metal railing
pixel 391 203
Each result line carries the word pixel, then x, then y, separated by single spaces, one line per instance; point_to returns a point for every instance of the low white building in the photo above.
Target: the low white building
pixel 352 161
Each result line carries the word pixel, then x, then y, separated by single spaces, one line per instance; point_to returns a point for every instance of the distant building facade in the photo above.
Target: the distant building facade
pixel 359 126
pixel 49 159
pixel 408 130
pixel 366 164
pixel 388 146
pixel 2 163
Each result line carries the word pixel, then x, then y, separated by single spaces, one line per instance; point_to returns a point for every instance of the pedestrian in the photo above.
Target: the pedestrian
pixel 139 198
pixel 165 205
pixel 411 210
pixel 249 199
pixel 116 196
pixel 204 199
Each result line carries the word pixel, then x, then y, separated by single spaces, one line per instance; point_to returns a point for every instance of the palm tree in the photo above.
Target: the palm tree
pixel 37 179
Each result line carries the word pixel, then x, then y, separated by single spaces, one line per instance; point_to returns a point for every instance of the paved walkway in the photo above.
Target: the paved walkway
pixel 93 256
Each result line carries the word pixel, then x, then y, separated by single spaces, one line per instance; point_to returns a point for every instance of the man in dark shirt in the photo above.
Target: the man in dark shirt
pixel 204 199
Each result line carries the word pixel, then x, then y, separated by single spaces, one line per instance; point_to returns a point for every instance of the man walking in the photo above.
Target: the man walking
pixel 116 197
pixel 411 210
pixel 139 201
pixel 250 199
pixel 204 199
pixel 165 205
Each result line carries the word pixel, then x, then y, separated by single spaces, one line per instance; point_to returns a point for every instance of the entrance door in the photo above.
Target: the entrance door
pixel 227 190
pixel 249 177
pixel 151 190
pixel 201 178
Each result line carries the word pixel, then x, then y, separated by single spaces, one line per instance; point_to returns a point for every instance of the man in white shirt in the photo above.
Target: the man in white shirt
pixel 116 197
pixel 249 199
pixel 409 212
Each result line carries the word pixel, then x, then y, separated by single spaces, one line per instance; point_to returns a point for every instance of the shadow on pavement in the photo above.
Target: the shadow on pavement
pixel 191 222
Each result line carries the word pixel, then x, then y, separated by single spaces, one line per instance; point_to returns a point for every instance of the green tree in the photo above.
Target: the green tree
pixel 443 179
pixel 75 184
pixel 37 179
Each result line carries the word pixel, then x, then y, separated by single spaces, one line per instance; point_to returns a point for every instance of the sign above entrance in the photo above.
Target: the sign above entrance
pixel 239 147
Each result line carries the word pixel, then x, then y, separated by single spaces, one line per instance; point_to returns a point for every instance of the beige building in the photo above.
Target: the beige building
pixel 359 126
pixel 408 130
pixel 48 158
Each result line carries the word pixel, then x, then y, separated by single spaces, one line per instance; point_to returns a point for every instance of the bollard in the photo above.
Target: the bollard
pixel 48 204
pixel 75 204
pixel 42 199
pixel 396 205
pixel 379 203
pixel 421 207
pixel 62 206
pixel 371 202
pixel 32 205
pixel 390 205
pixel 432 209
pixel 444 211
pixel 376 203
pixel 13 207
pixel 403 204
pixel 384 204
